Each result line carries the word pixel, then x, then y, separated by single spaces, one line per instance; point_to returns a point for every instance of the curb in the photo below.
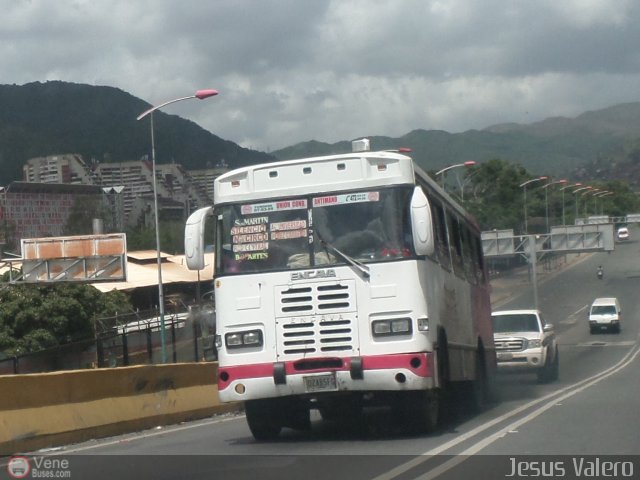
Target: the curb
pixel 57 408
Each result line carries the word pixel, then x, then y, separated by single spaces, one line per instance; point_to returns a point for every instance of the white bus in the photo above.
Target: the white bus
pixel 343 280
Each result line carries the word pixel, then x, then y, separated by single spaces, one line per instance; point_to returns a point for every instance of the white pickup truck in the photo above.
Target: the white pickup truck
pixel 525 342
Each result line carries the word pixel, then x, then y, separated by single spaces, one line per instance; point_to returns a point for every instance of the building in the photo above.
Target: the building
pixel 129 185
pixel 30 210
pixel 66 168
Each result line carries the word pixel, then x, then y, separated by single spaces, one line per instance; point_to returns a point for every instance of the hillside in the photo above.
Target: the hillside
pixel 40 119
pixel 555 146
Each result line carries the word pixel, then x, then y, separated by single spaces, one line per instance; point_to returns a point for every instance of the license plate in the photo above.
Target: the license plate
pixel 505 356
pixel 321 383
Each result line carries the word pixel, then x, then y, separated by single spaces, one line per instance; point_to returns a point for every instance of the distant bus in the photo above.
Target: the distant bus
pixel 343 281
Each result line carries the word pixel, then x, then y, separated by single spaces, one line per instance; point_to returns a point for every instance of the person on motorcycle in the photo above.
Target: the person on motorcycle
pixel 600 272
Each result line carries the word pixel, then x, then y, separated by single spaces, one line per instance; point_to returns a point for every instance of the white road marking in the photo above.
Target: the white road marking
pixel 556 396
pixel 573 318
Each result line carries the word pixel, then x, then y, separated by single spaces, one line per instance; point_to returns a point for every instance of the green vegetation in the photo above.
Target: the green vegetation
pixel 35 317
pixel 492 193
pixel 171 237
pixel 39 119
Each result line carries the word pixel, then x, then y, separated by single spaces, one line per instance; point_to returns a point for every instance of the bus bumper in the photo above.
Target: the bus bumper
pixel 312 377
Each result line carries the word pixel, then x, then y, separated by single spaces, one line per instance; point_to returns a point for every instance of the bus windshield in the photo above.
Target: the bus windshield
pixel 284 234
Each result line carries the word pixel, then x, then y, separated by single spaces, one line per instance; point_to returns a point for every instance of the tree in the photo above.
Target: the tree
pixel 34 317
pixel 494 196
pixel 85 208
pixel 144 237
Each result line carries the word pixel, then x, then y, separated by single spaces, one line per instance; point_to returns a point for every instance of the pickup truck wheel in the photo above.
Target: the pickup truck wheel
pixel 550 371
pixel 263 419
pixel 554 374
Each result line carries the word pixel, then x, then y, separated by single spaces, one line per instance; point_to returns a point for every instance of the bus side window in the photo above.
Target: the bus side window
pixel 467 255
pixel 478 259
pixel 440 229
pixel 455 243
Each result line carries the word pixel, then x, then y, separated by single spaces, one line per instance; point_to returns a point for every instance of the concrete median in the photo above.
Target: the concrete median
pixel 43 410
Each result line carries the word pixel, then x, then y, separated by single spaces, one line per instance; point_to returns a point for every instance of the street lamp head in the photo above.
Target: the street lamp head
pixel 571 186
pixel 200 94
pixel 539 179
pixel 469 163
pixel 206 93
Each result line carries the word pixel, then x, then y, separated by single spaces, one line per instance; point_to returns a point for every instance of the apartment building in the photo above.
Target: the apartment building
pixel 66 168
pixel 129 185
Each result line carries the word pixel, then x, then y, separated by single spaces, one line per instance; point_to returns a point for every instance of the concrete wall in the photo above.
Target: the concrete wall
pixel 43 410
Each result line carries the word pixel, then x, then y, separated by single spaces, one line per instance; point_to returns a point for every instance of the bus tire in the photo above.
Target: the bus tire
pixel 263 419
pixel 445 400
pixel 429 411
pixel 480 385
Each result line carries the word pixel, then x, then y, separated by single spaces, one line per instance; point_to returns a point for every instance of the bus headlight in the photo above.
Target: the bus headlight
pixel 396 326
pixel 250 338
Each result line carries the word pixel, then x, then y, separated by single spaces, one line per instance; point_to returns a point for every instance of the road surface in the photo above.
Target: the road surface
pixel 587 418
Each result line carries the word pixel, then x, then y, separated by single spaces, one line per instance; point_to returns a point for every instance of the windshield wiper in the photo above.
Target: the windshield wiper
pixel 361 267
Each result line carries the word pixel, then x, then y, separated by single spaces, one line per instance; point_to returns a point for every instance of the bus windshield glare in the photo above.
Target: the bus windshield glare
pixel 303 232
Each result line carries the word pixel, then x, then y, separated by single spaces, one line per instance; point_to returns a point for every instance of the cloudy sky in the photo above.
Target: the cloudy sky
pixel 294 70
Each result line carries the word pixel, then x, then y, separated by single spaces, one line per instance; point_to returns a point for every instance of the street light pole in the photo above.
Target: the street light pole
pixel 562 190
pixel 201 95
pixel 524 187
pixel 585 192
pixel 576 196
pixel 606 193
pixel 546 199
pixel 470 163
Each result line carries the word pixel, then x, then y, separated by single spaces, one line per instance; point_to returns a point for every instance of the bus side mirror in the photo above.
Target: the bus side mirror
pixel 421 224
pixel 194 238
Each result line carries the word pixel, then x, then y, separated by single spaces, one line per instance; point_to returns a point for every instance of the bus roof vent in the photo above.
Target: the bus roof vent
pixel 361 145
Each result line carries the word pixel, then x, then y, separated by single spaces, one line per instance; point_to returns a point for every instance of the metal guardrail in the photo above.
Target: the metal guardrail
pixel 565 239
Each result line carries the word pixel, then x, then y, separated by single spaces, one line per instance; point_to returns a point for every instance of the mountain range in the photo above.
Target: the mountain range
pixel 38 119
pixel 553 146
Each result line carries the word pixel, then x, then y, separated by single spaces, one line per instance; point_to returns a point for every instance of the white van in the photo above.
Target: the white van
pixel 605 314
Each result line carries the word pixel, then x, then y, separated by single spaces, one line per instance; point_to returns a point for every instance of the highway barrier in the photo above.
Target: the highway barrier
pixel 48 409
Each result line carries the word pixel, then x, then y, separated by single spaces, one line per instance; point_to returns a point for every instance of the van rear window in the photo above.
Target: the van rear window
pixel 603 310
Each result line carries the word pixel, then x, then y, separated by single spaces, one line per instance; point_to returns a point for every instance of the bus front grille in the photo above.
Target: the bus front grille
pixel 316 335
pixel 316 319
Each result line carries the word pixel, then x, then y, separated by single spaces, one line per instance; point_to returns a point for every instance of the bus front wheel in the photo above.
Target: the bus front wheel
pixel 262 417
pixel 427 410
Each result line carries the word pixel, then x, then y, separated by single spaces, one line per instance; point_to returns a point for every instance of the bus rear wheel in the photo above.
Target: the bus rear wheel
pixel 480 387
